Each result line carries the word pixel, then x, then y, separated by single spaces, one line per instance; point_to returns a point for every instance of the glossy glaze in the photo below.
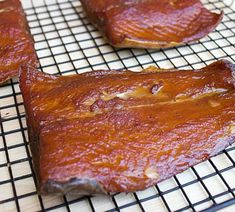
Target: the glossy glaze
pixel 151 23
pixel 126 131
pixel 16 44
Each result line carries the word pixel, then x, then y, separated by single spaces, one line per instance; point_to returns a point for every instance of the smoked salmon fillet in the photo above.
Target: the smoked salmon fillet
pixel 151 23
pixel 16 43
pixel 120 131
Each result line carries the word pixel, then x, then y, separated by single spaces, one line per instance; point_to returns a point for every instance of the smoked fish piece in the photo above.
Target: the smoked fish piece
pixel 120 131
pixel 16 43
pixel 151 23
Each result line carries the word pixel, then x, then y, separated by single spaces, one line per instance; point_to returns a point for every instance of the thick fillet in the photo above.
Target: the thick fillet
pixel 151 23
pixel 120 131
pixel 16 43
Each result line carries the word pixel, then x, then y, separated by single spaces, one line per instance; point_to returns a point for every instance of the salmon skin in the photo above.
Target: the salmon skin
pixel 120 131
pixel 16 44
pixel 151 23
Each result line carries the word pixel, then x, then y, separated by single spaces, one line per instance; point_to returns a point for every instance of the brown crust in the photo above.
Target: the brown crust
pixel 17 46
pixel 77 186
pixel 205 126
pixel 72 186
pixel 135 23
pixel 134 43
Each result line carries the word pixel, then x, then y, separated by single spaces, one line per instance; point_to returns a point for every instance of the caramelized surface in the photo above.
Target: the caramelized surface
pixel 151 23
pixel 16 44
pixel 111 131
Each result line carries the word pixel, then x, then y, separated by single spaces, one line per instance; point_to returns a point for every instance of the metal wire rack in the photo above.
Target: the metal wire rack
pixel 67 43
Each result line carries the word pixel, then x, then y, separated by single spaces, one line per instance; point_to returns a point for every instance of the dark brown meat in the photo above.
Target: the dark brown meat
pixel 151 23
pixel 112 131
pixel 16 44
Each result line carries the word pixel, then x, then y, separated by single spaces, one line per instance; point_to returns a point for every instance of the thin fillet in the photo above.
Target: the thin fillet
pixel 16 43
pixel 119 131
pixel 151 23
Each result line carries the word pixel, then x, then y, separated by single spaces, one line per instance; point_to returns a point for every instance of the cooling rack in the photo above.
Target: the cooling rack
pixel 67 43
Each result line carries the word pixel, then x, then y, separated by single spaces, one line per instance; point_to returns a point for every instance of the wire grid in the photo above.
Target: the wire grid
pixel 67 43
